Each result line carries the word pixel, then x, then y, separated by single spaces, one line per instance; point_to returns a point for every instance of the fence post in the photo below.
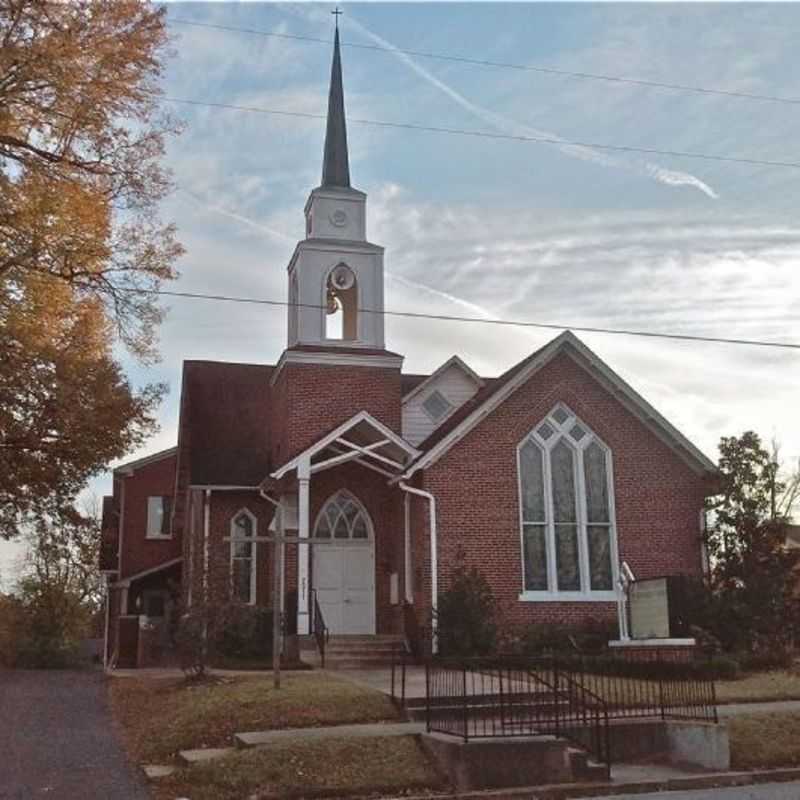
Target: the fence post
pixel 394 657
pixel 466 710
pixel 556 698
pixel 428 696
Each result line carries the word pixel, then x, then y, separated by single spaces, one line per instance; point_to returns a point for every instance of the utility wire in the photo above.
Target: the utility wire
pixel 595 76
pixel 617 148
pixel 481 320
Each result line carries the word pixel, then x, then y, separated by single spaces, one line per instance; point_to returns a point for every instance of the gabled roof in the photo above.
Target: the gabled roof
pixel 129 467
pixel 453 361
pixel 495 392
pixel 227 408
pixel 361 438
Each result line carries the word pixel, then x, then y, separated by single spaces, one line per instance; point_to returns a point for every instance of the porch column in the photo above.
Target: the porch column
pixel 409 596
pixel 303 594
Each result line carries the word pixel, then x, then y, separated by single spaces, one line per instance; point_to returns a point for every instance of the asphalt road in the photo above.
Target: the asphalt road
pixel 57 739
pixel 764 791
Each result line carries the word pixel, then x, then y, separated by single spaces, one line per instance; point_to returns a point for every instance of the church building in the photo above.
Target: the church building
pixel 545 478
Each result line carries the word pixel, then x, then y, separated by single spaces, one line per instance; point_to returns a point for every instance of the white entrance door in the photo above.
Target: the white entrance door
pixel 344 579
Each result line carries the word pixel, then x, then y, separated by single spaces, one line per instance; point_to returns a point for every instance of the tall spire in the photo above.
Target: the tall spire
pixel 335 164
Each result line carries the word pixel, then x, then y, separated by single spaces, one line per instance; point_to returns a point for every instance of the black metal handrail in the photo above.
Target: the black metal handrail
pixel 319 628
pixel 575 697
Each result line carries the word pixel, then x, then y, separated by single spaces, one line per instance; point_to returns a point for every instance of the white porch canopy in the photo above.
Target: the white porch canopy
pixel 362 440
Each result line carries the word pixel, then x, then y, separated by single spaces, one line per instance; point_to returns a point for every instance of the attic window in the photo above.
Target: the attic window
pixel 436 405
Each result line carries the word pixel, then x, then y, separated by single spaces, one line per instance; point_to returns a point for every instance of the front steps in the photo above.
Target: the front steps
pixel 353 652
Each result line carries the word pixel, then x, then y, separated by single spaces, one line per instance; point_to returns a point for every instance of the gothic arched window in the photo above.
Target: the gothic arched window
pixel 243 557
pixel 342 518
pixel 341 304
pixel 566 510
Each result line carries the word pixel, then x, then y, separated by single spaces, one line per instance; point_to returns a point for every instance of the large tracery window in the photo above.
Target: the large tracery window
pixel 342 519
pixel 243 558
pixel 566 510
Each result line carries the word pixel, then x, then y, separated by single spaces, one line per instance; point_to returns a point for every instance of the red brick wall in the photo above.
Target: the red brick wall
pixel 310 400
pixel 138 552
pixel 658 497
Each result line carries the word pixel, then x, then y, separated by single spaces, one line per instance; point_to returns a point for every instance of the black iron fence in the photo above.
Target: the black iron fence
pixel 495 697
pixel 576 696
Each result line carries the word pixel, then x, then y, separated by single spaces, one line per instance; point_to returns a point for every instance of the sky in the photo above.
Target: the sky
pixel 492 228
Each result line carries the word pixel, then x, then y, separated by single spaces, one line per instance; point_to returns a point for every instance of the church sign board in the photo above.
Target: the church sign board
pixel 649 609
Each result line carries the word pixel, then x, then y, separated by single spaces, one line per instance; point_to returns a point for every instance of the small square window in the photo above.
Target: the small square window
pixel 577 432
pixel 560 415
pixel 545 430
pixel 436 405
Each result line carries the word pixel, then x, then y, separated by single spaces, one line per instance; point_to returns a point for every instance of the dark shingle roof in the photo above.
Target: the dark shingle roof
pixel 228 409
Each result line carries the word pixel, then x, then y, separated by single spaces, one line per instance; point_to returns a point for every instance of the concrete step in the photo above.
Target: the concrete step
pixel 362 662
pixel 584 768
pixel 387 638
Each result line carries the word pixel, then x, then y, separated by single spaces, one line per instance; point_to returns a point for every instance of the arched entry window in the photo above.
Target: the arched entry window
pixel 243 557
pixel 341 304
pixel 343 519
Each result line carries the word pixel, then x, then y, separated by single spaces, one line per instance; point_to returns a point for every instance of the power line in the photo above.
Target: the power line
pixel 595 76
pixel 481 320
pixel 617 148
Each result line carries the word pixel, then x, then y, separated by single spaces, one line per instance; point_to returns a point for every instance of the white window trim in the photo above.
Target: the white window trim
pixel 253 553
pixel 159 535
pixel 552 594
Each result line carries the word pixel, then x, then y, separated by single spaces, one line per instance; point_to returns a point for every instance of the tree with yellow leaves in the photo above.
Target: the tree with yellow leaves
pixel 81 246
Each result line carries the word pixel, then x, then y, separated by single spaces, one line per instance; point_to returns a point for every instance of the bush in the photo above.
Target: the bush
pixel 466 618
pixel 772 658
pixel 231 631
pixel 245 632
pixel 548 638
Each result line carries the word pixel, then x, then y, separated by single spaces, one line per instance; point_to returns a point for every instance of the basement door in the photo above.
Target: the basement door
pixel 343 572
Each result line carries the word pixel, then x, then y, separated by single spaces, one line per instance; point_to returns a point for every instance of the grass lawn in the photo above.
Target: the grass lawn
pixel 775 685
pixel 752 687
pixel 161 716
pixel 332 767
pixel 761 741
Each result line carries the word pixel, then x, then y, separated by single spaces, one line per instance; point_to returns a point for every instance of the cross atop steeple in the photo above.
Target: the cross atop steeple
pixel 335 164
pixel 336 14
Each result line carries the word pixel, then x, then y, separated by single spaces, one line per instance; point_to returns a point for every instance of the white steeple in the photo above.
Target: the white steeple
pixel 336 275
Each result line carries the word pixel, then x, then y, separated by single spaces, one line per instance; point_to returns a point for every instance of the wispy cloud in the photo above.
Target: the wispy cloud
pixel 504 123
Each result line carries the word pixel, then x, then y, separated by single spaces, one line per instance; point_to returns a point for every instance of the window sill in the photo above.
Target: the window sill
pixel 157 538
pixel 568 597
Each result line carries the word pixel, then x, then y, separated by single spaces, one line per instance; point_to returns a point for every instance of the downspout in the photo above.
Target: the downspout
pixel 105 633
pixel 206 528
pixel 434 558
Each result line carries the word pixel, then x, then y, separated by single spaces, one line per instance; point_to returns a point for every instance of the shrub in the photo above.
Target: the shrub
pixel 244 632
pixel 234 631
pixel 466 618
pixel 547 638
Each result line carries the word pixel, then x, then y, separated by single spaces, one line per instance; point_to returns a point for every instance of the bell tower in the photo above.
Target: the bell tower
pixel 335 274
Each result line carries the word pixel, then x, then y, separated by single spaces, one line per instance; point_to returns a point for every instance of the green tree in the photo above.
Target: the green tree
pixel 82 250
pixel 59 589
pixel 753 603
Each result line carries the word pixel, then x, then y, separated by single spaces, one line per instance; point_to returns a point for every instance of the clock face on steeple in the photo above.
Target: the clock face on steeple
pixel 339 218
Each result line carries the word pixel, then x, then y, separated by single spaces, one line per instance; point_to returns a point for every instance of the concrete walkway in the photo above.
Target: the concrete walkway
pixel 57 739
pixel 266 738
pixel 772 707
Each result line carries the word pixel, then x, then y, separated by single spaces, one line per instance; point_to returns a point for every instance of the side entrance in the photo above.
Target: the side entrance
pixel 343 571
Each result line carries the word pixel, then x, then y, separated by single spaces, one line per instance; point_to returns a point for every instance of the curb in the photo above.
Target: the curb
pixel 568 790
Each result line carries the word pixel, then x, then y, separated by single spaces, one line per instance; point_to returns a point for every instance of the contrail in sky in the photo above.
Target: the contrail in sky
pixel 233 215
pixel 465 304
pixel 661 174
